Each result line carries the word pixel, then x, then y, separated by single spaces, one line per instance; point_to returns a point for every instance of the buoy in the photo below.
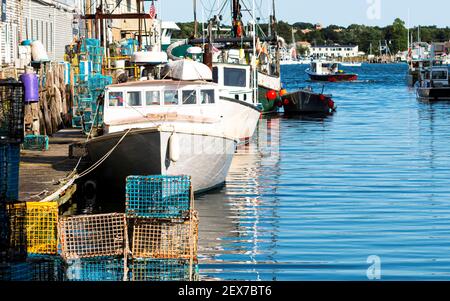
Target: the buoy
pixel 174 148
pixel 331 104
pixel 283 92
pixel 322 97
pixel 271 95
pixel 286 102
pixel 279 104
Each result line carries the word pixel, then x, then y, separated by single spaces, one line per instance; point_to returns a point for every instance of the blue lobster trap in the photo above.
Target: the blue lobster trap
pixel 158 196
pixel 36 142
pixel 163 270
pixel 42 268
pixel 9 172
pixel 95 269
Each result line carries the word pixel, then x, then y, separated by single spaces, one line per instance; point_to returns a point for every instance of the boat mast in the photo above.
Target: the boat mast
pixel 195 19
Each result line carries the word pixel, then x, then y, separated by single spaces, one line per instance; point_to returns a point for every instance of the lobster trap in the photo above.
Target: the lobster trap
pixel 41 226
pixel 14 239
pixel 93 235
pixel 163 270
pixel 12 108
pixel 45 268
pixel 36 142
pixel 9 172
pixel 158 196
pixel 95 269
pixel 160 239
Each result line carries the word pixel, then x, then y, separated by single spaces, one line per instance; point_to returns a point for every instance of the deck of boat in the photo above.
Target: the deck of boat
pixel 40 171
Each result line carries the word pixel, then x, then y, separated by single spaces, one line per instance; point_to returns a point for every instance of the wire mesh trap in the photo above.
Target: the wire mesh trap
pixel 9 172
pixel 12 108
pixel 163 270
pixel 36 142
pixel 158 196
pixel 95 269
pixel 92 235
pixel 165 239
pixel 41 226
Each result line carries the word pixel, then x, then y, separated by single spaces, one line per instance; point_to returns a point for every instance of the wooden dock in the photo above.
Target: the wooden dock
pixel 41 171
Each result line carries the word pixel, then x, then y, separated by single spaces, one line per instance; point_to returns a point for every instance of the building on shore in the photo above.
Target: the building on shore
pixel 49 21
pixel 335 51
pixel 10 24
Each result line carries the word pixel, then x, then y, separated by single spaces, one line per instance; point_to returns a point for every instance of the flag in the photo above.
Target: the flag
pixel 152 12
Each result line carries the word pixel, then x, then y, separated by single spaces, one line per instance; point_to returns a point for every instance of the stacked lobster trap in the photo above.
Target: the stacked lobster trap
pixel 154 240
pixel 164 228
pixel 31 253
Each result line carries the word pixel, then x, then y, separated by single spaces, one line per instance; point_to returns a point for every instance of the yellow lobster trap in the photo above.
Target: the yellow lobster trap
pixel 36 224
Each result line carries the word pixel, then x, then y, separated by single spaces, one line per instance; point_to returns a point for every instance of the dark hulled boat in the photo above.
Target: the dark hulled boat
pixel 306 101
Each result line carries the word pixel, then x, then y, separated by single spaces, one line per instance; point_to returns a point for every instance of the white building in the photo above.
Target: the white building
pixel 51 22
pixel 335 51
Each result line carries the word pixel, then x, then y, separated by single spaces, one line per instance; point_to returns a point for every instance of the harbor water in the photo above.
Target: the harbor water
pixel 332 198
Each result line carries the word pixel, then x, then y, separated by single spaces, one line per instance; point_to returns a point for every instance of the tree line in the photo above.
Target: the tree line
pixel 395 35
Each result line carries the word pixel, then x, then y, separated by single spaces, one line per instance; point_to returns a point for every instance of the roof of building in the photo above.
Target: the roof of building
pixel 334 46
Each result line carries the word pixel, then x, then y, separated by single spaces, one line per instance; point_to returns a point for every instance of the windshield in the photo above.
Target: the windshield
pixel 235 77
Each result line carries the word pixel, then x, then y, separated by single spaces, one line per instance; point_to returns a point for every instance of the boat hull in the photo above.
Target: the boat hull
pixel 206 159
pixel 307 102
pixel 347 77
pixel 433 93
pixel 240 118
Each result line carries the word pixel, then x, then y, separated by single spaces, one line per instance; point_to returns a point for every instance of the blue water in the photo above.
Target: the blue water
pixel 322 195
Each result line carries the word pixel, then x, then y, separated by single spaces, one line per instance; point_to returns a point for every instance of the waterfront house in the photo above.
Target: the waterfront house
pixel 335 51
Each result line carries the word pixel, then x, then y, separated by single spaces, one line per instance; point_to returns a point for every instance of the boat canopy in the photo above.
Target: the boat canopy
pixel 188 70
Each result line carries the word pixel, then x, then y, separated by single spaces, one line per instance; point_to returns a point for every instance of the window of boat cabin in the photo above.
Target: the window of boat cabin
pixel 189 97
pixel 170 97
pixel 207 96
pixel 235 77
pixel 440 74
pixel 152 98
pixel 134 99
pixel 115 99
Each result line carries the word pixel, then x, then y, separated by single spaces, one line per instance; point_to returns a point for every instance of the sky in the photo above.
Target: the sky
pixel 326 12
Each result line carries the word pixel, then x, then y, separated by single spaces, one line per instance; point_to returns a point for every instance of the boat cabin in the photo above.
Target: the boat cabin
pixel 436 76
pixel 324 68
pixel 159 100
pixel 234 80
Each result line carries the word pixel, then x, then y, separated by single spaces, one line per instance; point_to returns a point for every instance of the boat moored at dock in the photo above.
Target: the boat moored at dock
pixel 167 127
pixel 433 84
pixel 306 101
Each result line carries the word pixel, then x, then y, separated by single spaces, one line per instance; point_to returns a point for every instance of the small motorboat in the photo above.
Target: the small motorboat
pixel 329 72
pixel 306 101
pixel 433 84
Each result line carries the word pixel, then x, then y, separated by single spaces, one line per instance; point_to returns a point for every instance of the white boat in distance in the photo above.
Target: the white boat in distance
pixel 351 64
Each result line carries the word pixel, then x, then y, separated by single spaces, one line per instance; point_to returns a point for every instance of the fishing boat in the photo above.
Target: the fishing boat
pixel 329 72
pixel 433 84
pixel 168 127
pixel 306 101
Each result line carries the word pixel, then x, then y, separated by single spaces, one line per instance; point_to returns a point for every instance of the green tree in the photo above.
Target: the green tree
pixel 399 36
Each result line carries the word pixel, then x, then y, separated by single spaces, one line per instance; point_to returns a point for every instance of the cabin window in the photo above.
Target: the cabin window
pixel 115 99
pixel 207 96
pixel 439 75
pixel 235 77
pixel 134 99
pixel 170 97
pixel 189 97
pixel 152 98
pixel 215 75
